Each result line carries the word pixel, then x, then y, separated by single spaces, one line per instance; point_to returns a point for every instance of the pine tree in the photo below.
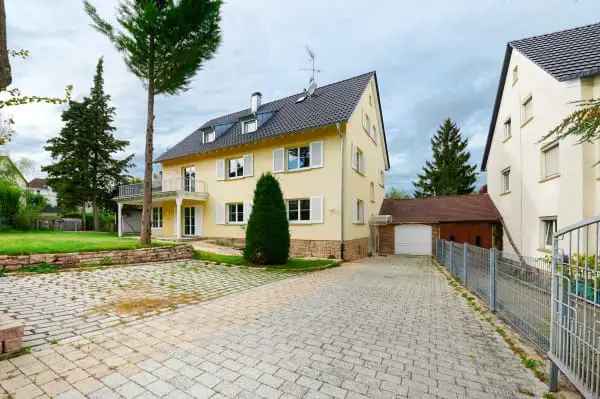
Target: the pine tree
pixel 450 171
pixel 267 233
pixel 86 168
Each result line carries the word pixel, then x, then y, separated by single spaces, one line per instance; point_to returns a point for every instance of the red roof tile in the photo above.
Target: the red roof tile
pixel 455 208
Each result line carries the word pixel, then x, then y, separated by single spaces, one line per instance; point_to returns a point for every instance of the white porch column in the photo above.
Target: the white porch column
pixel 119 218
pixel 178 202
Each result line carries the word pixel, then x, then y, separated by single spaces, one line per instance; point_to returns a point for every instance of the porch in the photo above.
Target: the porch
pixel 177 208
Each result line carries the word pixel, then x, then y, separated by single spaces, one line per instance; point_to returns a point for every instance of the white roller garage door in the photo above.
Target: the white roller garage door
pixel 412 239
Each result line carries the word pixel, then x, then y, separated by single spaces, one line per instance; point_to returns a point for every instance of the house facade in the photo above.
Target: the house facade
pixel 40 186
pixel 10 171
pixel 326 147
pixel 538 185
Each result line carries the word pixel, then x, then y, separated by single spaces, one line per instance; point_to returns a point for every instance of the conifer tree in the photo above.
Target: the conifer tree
pixel 450 171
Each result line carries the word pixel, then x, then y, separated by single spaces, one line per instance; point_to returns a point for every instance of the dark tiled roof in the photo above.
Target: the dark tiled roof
pixel 568 54
pixel 454 208
pixel 38 183
pixel 330 104
pixel 565 55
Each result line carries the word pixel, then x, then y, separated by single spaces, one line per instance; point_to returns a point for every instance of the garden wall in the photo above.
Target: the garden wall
pixel 117 257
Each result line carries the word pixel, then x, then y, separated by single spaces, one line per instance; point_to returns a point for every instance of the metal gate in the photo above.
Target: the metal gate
pixel 575 316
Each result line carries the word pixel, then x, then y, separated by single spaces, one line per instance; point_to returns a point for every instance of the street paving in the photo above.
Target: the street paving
pixel 379 328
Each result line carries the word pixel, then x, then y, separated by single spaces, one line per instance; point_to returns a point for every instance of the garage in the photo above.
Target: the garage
pixel 412 226
pixel 412 239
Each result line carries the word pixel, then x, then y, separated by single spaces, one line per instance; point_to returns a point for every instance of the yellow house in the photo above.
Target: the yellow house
pixel 326 146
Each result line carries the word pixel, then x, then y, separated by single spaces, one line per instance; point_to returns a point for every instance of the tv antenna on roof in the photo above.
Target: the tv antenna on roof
pixel 315 72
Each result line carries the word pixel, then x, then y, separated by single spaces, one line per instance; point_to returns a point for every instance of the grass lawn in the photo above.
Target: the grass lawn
pixel 40 242
pixel 294 264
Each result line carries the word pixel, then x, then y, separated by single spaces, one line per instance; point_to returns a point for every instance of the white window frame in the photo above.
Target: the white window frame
pixel 545 152
pixel 210 136
pixel 156 223
pixel 253 123
pixel 527 110
pixel 372 192
pixel 515 75
pixel 228 168
pixel 239 215
pixel 507 128
pixel 382 178
pixel 359 211
pixel 546 236
pixel 367 124
pixel 505 182
pixel 299 148
pixel 299 201
pixel 359 160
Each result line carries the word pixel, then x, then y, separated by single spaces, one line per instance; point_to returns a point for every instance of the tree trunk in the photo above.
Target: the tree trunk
pixel 146 233
pixel 96 216
pixel 5 74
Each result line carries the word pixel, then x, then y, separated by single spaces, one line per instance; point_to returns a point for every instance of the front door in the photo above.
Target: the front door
pixel 189 221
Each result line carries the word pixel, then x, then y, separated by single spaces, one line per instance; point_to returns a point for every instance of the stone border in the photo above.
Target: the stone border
pixel 101 258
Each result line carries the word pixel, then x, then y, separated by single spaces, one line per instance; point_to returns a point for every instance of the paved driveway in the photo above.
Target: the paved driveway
pixel 383 328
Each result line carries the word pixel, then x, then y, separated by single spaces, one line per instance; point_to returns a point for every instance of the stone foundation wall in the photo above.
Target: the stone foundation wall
pixel 316 248
pixel 118 257
pixel 356 249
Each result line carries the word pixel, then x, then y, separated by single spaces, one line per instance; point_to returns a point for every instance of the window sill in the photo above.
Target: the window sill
pixel 359 172
pixel 527 122
pixel 505 193
pixel 235 223
pixel 301 222
pixel 545 250
pixel 236 178
pixel 156 228
pixel 506 139
pixel 545 179
pixel 301 169
pixel 358 223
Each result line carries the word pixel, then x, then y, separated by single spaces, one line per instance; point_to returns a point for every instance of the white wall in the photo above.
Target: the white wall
pixel 571 196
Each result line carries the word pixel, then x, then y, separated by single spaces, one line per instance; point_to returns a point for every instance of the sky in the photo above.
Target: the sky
pixel 434 59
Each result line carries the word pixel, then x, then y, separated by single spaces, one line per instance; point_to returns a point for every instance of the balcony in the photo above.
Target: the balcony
pixel 167 188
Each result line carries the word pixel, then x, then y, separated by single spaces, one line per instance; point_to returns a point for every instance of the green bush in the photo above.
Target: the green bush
pixel 267 233
pixel 10 202
pixel 29 211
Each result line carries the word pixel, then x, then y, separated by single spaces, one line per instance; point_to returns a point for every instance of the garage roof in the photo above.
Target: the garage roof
pixel 454 208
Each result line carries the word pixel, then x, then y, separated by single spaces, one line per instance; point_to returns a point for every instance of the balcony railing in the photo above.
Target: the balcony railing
pixel 178 184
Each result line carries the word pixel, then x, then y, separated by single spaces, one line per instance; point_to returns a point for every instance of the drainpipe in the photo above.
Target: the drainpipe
pixel 342 142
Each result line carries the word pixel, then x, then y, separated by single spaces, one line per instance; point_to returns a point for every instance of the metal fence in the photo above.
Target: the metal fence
pixel 575 310
pixel 517 289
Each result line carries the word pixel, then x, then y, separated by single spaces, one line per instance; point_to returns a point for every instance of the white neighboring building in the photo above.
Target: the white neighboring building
pixel 539 187
pixel 40 186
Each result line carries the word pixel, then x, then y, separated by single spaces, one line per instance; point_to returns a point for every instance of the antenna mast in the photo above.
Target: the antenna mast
pixel 315 72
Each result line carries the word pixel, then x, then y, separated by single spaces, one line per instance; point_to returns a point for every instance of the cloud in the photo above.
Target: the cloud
pixel 431 65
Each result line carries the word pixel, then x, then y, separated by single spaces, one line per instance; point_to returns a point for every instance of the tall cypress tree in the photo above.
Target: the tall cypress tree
pixel 86 167
pixel 450 171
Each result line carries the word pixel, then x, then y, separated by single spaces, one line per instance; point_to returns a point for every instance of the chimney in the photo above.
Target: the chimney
pixel 255 100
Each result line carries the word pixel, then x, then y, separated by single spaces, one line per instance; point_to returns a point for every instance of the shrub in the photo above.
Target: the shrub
pixel 29 210
pixel 267 233
pixel 10 202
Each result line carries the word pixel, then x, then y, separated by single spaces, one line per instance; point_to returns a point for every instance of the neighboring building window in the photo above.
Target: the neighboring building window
pixel 250 126
pixel 298 210
pixel 235 212
pixel 527 110
pixel 507 129
pixel 359 211
pixel 506 180
pixel 549 227
pixel 359 160
pixel 550 161
pixel 298 158
pixel 515 74
pixel 235 168
pixel 372 192
pixel 157 218
pixel 209 136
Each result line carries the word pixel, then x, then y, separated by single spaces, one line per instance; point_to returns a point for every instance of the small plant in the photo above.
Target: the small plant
pixel 41 268
pixel 106 261
pixel 3 271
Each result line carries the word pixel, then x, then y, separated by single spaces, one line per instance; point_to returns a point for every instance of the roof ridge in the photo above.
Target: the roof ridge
pixel 554 33
pixel 438 197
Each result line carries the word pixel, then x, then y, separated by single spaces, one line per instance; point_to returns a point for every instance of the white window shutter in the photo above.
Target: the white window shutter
pixel 355 210
pixel 198 220
pixel 219 213
pixel 248 165
pixel 247 210
pixel 353 156
pixel 278 160
pixel 316 154
pixel 316 209
pixel 363 164
pixel 220 169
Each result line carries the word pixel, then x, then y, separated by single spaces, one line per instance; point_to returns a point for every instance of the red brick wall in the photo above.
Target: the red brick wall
pixel 386 239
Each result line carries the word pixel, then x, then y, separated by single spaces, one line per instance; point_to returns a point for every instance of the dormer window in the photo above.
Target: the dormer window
pixel 249 126
pixel 209 136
